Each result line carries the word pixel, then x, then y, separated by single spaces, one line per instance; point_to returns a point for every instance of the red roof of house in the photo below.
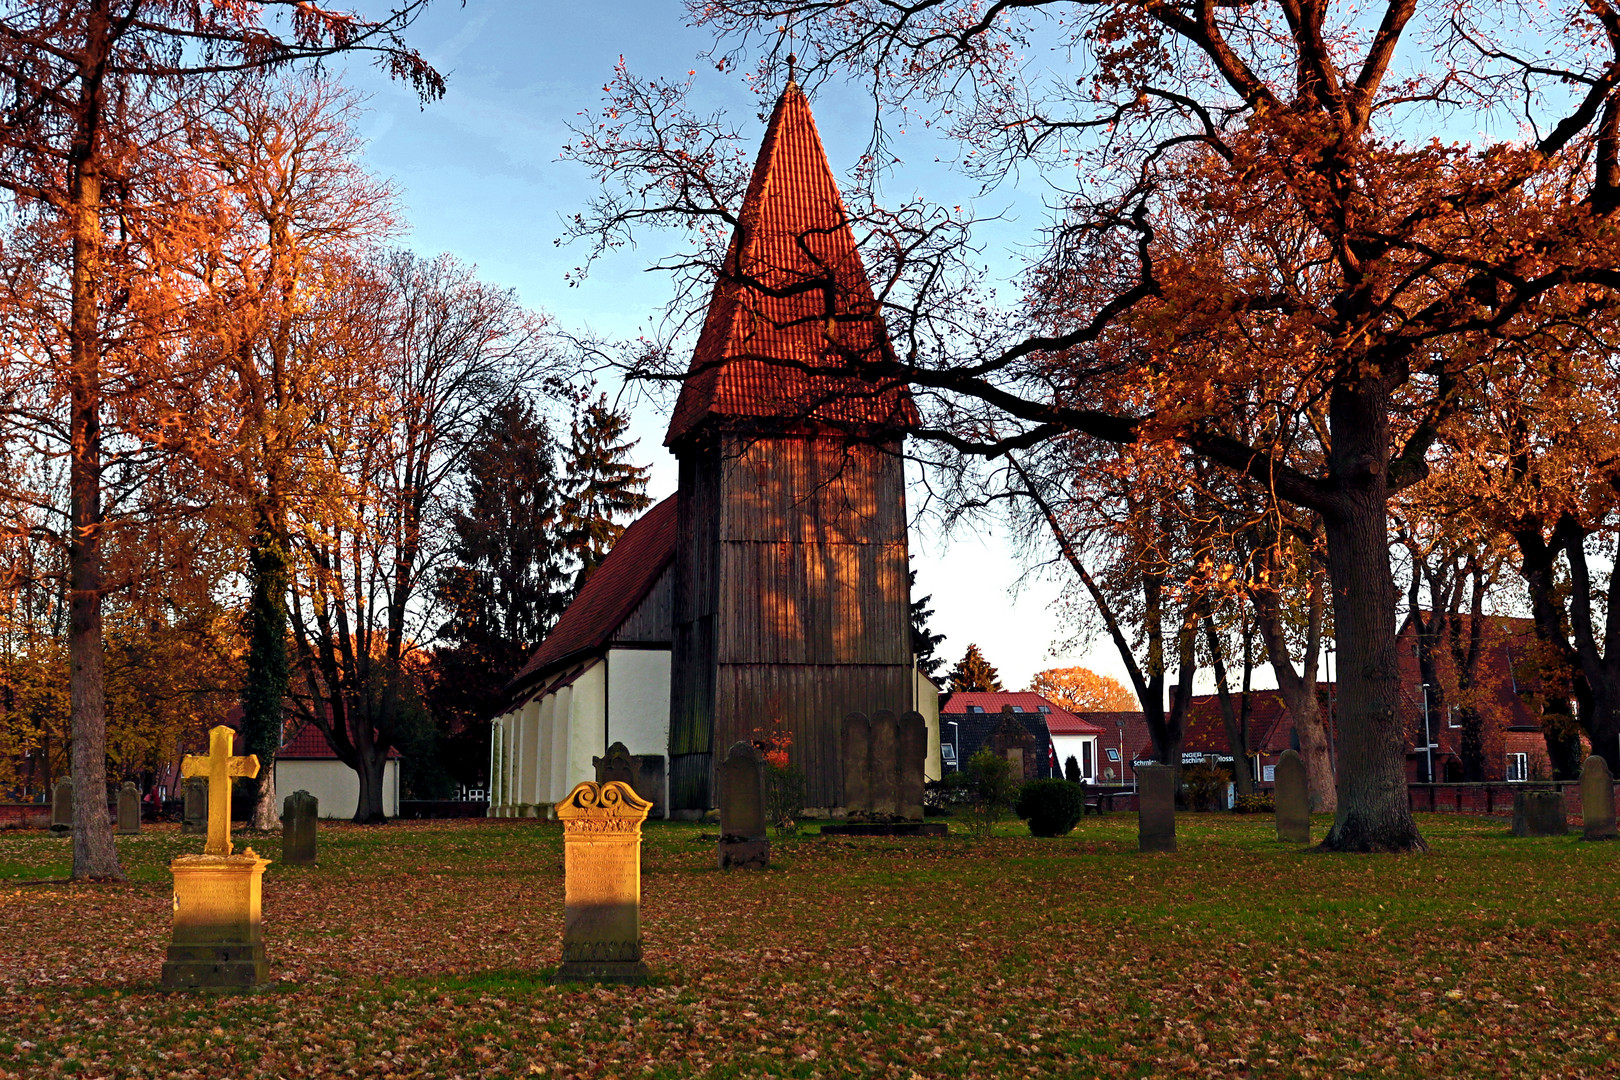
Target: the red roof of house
pixel 610 593
pixel 792 296
pixel 1059 721
pixel 308 744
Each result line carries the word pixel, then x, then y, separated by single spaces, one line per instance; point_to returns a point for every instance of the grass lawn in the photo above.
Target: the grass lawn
pixel 423 950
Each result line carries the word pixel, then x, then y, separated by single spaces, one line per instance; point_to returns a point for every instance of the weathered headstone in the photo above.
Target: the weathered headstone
pixel 299 812
pixel 743 841
pixel 1597 800
pixel 1156 808
pixel 129 809
pixel 194 807
pixel 62 806
pixel 884 770
pixel 1539 813
pixel 217 941
pixel 913 759
pixel 643 772
pixel 1292 799
pixel 857 762
pixel 602 884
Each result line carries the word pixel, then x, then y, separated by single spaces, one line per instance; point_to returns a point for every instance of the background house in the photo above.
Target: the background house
pixel 305 762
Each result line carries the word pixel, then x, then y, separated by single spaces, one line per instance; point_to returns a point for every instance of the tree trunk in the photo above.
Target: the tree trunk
pixel 373 765
pixel 1373 813
pixel 267 673
pixel 1298 690
pixel 1235 742
pixel 95 856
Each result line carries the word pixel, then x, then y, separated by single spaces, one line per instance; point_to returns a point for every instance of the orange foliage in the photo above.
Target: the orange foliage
pixel 1079 689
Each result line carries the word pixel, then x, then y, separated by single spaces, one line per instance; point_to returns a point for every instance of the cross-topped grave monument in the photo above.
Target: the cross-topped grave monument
pixel 217 943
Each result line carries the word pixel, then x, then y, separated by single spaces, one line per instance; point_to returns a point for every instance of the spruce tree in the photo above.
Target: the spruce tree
pixel 603 492
pixel 974 673
pixel 923 642
pixel 510 576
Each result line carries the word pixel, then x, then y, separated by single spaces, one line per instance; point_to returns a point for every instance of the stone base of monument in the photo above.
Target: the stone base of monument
pixel 217 942
pixel 887 828
pixel 737 853
pixel 1539 813
pixel 626 972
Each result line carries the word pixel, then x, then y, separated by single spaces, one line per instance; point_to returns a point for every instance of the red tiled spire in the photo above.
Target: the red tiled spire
pixel 752 355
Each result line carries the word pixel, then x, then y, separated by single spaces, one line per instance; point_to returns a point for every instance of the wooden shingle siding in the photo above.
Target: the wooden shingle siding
pixel 692 653
pixel 653 620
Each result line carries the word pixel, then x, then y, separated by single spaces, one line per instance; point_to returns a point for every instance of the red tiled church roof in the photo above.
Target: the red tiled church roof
pixel 1059 721
pixel 792 237
pixel 610 594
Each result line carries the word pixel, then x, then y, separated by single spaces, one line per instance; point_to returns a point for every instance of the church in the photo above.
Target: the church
pixel 771 591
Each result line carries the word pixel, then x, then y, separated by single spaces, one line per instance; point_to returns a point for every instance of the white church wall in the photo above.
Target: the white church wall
pixel 638 683
pixel 925 699
pixel 335 784
pixel 528 726
pixel 554 766
pixel 586 724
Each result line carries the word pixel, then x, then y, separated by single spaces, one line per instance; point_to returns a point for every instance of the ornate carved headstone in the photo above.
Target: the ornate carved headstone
pixel 602 890
pixel 129 809
pixel 618 765
pixel 194 807
pixel 913 759
pixel 743 842
pixel 1156 807
pixel 217 942
pixel 1597 800
pixel 62 805
pixel 299 812
pixel 1292 799
pixel 1539 813
pixel 857 762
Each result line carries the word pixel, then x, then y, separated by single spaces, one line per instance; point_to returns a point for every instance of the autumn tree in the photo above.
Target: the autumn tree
pixel 440 349
pixel 973 674
pixel 1079 689
pixel 82 80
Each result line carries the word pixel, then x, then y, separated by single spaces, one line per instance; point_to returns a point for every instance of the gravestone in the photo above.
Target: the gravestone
pixel 299 812
pixel 1597 800
pixel 62 806
pixel 884 759
pixel 1292 800
pixel 129 809
pixel 643 772
pixel 857 762
pixel 194 808
pixel 217 943
pixel 602 884
pixel 913 761
pixel 1013 741
pixel 1156 808
pixel 743 842
pixel 1539 813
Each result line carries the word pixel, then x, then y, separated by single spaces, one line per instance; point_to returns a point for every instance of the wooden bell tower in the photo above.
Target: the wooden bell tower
pixel 792 603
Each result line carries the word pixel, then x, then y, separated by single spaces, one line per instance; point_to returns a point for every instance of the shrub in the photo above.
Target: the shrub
pixel 991 778
pixel 1071 770
pixel 1259 802
pixel 1203 785
pixel 939 796
pixel 784 797
pixel 1052 807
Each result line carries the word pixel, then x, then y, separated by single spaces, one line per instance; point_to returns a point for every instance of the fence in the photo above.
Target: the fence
pixel 1491 797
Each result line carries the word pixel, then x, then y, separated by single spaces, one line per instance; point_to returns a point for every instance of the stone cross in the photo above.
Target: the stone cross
pixel 602 883
pixel 219 766
pixel 1156 807
pixel 1597 800
pixel 743 842
pixel 1292 800
pixel 298 812
pixel 129 809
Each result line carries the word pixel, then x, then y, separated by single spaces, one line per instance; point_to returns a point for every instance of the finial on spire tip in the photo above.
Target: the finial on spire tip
pixel 792 62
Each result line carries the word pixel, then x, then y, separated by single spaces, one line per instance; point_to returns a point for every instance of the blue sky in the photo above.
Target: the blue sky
pixel 480 178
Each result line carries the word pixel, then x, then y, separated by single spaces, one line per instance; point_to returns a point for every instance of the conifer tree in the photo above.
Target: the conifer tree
pixel 923 642
pixel 973 673
pixel 603 491
pixel 510 577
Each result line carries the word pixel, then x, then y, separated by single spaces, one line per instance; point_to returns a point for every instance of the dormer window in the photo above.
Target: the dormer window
pixel 1017 708
pixel 976 708
pixel 1043 708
